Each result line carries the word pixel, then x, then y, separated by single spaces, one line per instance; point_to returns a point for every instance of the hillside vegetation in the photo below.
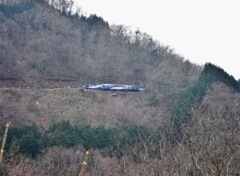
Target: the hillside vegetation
pixel 54 49
pixel 185 122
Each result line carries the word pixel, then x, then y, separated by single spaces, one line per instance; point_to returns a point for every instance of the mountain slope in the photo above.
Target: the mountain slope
pixel 46 55
pixel 53 50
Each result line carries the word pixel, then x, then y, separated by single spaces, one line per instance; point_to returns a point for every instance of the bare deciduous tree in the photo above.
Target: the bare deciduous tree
pixel 208 145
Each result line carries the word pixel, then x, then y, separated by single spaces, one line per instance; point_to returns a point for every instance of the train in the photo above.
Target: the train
pixel 114 87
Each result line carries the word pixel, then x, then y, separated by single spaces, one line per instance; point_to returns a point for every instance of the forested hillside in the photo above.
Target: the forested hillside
pixel 54 49
pixel 185 122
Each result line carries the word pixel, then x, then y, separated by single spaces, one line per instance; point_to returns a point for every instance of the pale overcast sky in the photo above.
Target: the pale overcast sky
pixel 199 30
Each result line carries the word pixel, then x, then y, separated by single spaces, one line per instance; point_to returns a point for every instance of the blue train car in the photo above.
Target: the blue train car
pixel 112 87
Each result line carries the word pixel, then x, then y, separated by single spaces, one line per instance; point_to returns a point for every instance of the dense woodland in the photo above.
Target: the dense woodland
pixel 185 122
